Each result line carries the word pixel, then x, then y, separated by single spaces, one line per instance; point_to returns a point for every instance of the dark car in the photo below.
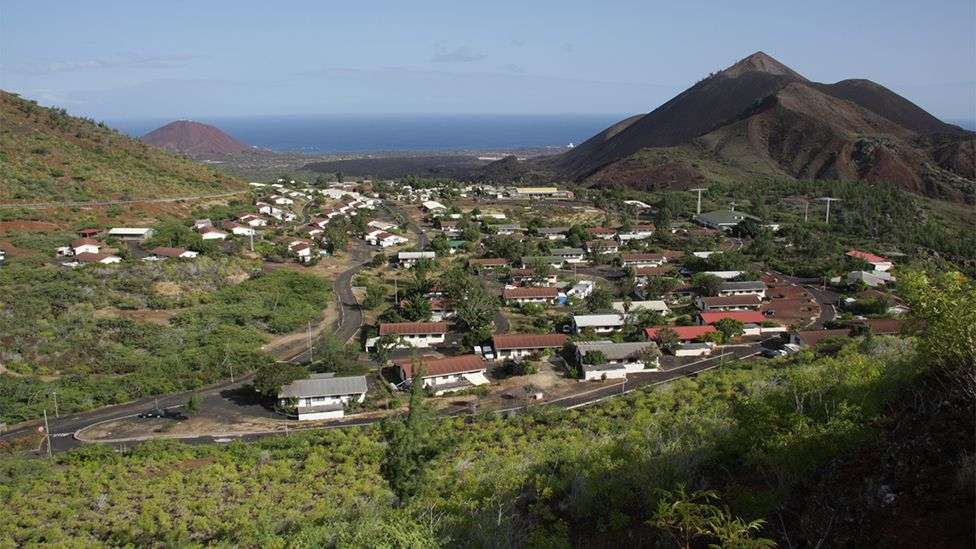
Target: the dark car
pixel 155 412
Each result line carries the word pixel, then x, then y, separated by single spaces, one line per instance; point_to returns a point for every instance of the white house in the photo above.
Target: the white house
pixel 581 289
pixel 694 349
pixel 407 259
pixel 415 334
pixel 137 234
pixel 202 224
pixel 602 247
pixel 445 375
pixel 729 303
pixel 384 239
pixel 506 230
pixel 751 287
pixel 639 232
pixel 211 233
pixel 301 248
pixel 519 346
pixel 599 323
pixel 252 220
pixel 530 294
pixel 281 200
pixel 602 233
pixel 432 206
pixel 104 259
pixel 879 263
pixel 177 253
pixel 85 245
pixel 650 305
pixel 323 396
pixel 552 233
pixel 569 255
pixel 382 225
pixel 639 260
pixel 238 229
pixel 619 359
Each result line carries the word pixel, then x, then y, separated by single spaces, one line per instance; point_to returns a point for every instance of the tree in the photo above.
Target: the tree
pixel 706 284
pixel 600 299
pixel 375 295
pixel 193 403
pixel 415 308
pixel 594 357
pixel 667 339
pixel 408 443
pixel 332 355
pixel 272 376
pixel 729 328
pixel 657 286
pixel 475 308
pixel 690 517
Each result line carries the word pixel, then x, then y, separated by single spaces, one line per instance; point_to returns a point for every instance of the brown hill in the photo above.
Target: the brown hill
pixel 194 139
pixel 46 155
pixel 761 118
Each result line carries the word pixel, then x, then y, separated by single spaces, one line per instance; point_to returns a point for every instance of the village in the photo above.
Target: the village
pixel 501 298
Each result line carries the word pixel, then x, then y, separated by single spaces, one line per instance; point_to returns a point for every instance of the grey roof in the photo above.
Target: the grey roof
pixel 528 259
pixel 615 351
pixel 724 217
pixel 324 386
pixel 509 227
pixel 745 285
pixel 552 230
pixel 567 251
pixel 589 321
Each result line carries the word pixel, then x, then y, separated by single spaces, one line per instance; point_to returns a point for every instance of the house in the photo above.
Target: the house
pixel 569 255
pixel 723 219
pixel 729 303
pixel 302 249
pixel 638 232
pixel 381 225
pixel 752 287
pixel 104 259
pixel 694 349
pixel 519 346
pixel 724 275
pixel 602 233
pixel 530 294
pixel 451 229
pixel 640 260
pixel 506 230
pixel 488 263
pixel 552 233
pixel 619 359
pixel 581 289
pixel 180 253
pixel 210 233
pixel 444 375
pixel 634 306
pixel 433 206
pixel 599 323
pixel 323 396
pixel 252 220
pixel 523 277
pixel 642 274
pixel 879 263
pixel 408 259
pixel 238 229
pixel 202 224
pixel 88 233
pixel 602 247
pixel 540 192
pixel 441 309
pixel 136 234
pixel 529 261
pixel 384 239
pixel 685 333
pixel 85 245
pixel 872 279
pixel 810 338
pixel 281 200
pixel 415 334
pixel 744 317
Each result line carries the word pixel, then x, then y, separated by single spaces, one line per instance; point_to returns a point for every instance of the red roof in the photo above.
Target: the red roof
pixel 885 325
pixel 812 337
pixel 685 333
pixel 654 271
pixel 168 252
pixel 869 257
pixel 600 230
pixel 442 366
pixel 87 232
pixel 749 300
pixel 83 241
pixel 753 317
pixel 413 328
pixel 528 341
pixel 529 292
pixel 642 257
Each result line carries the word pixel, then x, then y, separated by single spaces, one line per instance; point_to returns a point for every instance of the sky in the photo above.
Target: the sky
pixel 173 59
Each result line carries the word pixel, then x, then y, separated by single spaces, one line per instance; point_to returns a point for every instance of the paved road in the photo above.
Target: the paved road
pixel 120 202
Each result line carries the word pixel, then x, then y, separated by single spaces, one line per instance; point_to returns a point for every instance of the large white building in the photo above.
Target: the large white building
pixel 618 359
pixel 415 334
pixel 445 375
pixel 600 323
pixel 323 396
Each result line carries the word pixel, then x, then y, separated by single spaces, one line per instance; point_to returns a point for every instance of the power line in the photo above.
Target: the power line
pixel 699 191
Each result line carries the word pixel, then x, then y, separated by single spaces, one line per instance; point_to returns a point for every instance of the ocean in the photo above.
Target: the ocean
pixel 325 134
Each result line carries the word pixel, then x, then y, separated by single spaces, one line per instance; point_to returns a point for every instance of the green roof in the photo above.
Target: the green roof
pixel 724 217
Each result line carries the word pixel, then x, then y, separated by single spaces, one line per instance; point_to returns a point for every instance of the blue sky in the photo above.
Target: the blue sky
pixel 215 58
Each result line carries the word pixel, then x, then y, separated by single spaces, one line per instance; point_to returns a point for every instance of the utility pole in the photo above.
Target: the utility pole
pixel 47 434
pixel 732 206
pixel 828 200
pixel 55 395
pixel 310 340
pixel 699 191
pixel 806 208
pixel 251 233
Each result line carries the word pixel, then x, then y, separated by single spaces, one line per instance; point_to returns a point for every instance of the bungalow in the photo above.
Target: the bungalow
pixel 694 349
pixel 252 220
pixel 85 245
pixel 530 294
pixel 638 232
pixel 634 306
pixel 488 263
pixel 519 346
pixel 415 334
pixel 724 275
pixel 384 239
pixel 432 206
pixel 602 247
pixel 639 260
pixel 202 224
pixel 872 279
pixel 211 233
pixel 529 261
pixel 603 233
pixel 88 233
pixel 181 253
pixel 441 309
pixel 729 303
pixel 137 234
pixel 524 277
pixel 104 259
pixel 723 219
pixel 642 274
pixel 618 359
pixel 810 338
pixel 281 200
pixel 752 287
pixel 506 230
pixel 599 323
pixel 710 318
pixel 382 225
pixel 685 333
pixel 569 255
pixel 301 248
pixel 581 289
pixel 323 396
pixel 552 233
pixel 879 263
pixel 444 375
pixel 408 259
pixel 238 229
pixel 451 229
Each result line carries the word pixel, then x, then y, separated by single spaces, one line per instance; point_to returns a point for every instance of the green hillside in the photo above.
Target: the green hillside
pixel 47 155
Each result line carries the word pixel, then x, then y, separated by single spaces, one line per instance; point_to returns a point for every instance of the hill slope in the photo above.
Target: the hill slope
pixel 194 139
pixel 47 155
pixel 761 118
